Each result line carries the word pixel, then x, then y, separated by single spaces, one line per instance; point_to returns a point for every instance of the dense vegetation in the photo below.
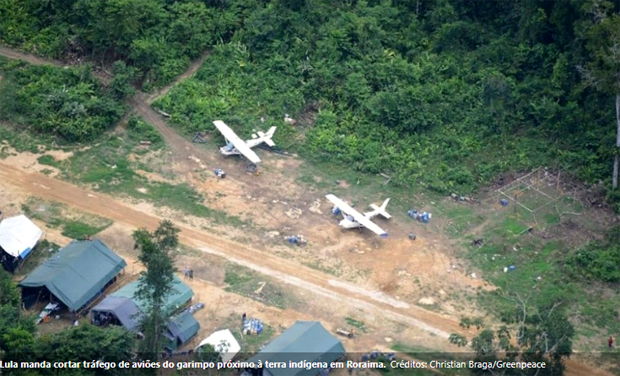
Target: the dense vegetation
pixel 69 103
pixel 445 94
pixel 19 339
pixel 441 94
pixel 158 37
pixel 530 333
pixel 598 260
pixel 156 282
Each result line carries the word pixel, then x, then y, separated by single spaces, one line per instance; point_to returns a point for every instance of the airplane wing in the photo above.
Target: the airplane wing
pixel 357 216
pixel 238 143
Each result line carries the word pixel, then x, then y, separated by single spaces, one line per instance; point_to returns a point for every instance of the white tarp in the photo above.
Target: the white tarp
pixel 224 342
pixel 18 235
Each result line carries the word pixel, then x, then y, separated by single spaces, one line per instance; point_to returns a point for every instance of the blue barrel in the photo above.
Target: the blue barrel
pixel 425 218
pixel 336 210
pixel 504 202
pixel 512 267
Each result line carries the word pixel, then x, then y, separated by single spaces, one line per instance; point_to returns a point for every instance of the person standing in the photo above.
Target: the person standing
pixel 610 342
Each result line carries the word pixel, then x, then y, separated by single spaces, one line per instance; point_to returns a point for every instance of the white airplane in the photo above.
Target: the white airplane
pixel 354 219
pixel 236 146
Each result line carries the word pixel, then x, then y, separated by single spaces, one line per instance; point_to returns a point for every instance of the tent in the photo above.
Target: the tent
pixel 123 305
pixel 224 342
pixel 18 236
pixel 121 309
pixel 178 297
pixel 305 340
pixel 180 330
pixel 76 275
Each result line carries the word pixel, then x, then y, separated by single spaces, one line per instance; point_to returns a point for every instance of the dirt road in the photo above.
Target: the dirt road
pixel 283 270
pixel 287 271
pixel 291 273
pixel 31 59
pixel 190 71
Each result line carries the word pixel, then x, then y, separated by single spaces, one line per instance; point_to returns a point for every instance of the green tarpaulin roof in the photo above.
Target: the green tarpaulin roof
pixel 77 273
pixel 181 294
pixel 183 327
pixel 305 340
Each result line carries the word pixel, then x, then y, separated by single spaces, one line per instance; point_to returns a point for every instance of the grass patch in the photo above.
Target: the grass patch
pixel 107 165
pixel 48 160
pixel 109 168
pixel 43 250
pixel 514 225
pixel 540 272
pixel 461 218
pixel 252 343
pixel 356 323
pixel 80 230
pixel 73 224
pixel 22 140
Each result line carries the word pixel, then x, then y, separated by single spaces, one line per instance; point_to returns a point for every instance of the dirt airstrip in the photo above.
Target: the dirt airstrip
pixel 386 283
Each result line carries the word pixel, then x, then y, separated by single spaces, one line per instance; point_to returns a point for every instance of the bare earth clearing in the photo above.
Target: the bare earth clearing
pixel 339 274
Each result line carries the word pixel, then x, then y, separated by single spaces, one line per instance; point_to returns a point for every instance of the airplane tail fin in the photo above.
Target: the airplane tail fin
pixel 381 209
pixel 266 137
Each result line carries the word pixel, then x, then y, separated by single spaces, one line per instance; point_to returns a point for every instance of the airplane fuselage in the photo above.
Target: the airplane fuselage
pixel 348 222
pixel 229 149
pixel 351 218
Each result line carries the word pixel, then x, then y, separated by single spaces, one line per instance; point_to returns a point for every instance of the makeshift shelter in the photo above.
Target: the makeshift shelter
pixel 224 342
pixel 125 308
pixel 116 310
pixel 18 236
pixel 74 276
pixel 305 340
pixel 180 330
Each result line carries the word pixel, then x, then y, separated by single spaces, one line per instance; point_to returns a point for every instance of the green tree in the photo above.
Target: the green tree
pixel 16 329
pixel 603 70
pixel 9 294
pixel 87 342
pixel 496 91
pixel 155 282
pixel 531 332
pixel 192 27
pixel 124 77
pixel 18 342
pixel 208 353
pixel 110 26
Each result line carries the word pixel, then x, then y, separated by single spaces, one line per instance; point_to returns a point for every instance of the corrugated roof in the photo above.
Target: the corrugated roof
pixel 77 273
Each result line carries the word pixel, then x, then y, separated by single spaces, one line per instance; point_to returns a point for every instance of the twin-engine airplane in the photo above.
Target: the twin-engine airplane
pixel 354 219
pixel 236 146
